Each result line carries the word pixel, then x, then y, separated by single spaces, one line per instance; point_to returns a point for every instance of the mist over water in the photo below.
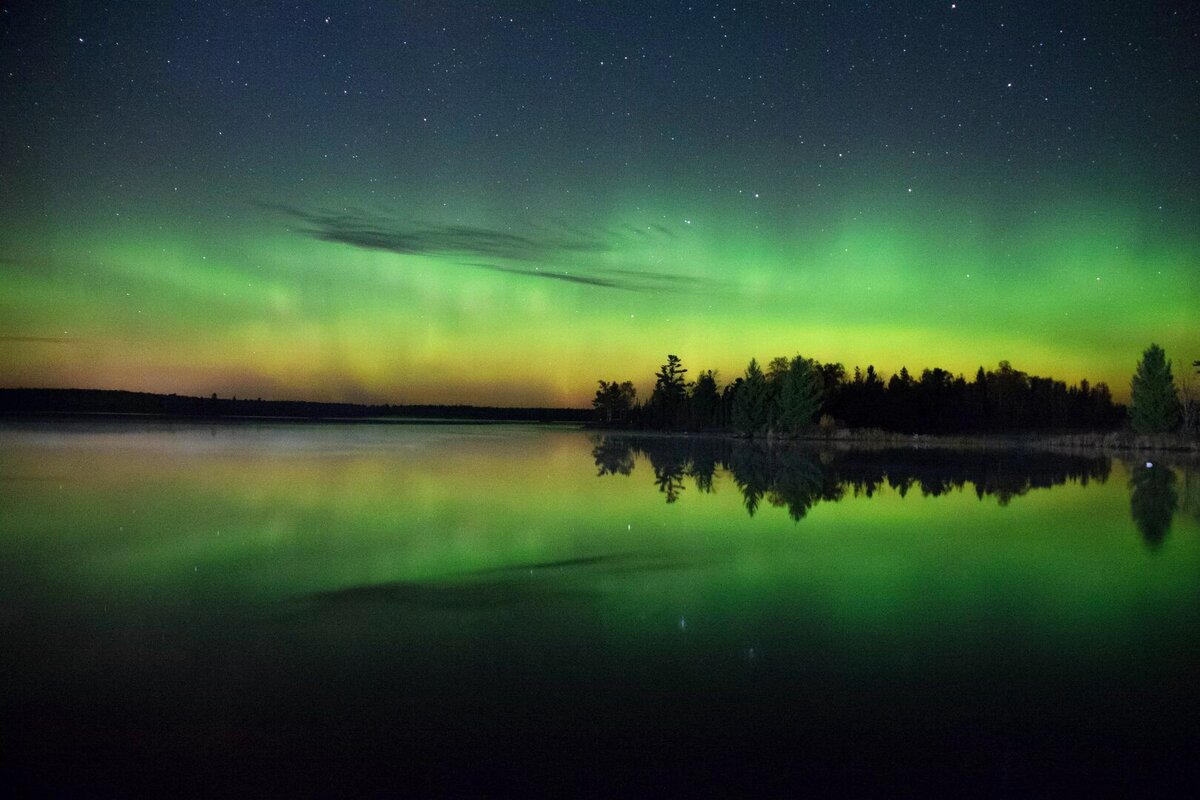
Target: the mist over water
pixel 519 609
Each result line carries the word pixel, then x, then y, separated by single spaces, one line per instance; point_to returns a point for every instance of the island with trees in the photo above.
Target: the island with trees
pixel 801 397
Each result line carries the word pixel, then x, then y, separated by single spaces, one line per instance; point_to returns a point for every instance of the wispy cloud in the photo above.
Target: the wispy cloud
pixel 557 253
pixel 536 272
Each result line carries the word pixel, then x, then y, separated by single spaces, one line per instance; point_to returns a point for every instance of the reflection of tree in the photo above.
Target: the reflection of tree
pixel 752 474
pixel 613 455
pixel 1189 494
pixel 1152 501
pixel 901 483
pixel 1000 474
pixel 796 479
pixel 798 482
pixel 703 469
pixel 671 459
pixel 669 465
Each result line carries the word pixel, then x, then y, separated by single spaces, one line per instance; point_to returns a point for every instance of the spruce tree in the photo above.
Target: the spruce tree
pixel 751 404
pixel 706 402
pixel 1155 405
pixel 670 393
pixel 800 397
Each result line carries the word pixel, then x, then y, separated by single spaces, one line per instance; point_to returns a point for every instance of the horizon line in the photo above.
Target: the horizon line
pixel 233 397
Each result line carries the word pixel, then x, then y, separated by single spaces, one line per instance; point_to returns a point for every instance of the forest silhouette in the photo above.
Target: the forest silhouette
pixel 794 396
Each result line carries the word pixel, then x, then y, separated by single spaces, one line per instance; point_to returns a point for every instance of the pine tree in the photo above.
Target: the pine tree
pixel 670 393
pixel 800 396
pixel 705 401
pixel 1155 405
pixel 751 403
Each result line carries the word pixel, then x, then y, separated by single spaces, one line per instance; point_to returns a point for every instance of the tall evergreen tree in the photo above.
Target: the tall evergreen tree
pixel 751 404
pixel 728 400
pixel 705 401
pixel 800 396
pixel 670 393
pixel 1155 405
pixel 776 370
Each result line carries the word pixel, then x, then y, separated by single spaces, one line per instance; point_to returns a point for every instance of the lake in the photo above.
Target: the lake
pixel 508 609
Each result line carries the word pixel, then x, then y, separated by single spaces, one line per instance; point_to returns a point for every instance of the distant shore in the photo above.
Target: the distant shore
pixel 117 404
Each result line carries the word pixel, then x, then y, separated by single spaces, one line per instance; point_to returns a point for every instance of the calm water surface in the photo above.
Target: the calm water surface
pixel 523 610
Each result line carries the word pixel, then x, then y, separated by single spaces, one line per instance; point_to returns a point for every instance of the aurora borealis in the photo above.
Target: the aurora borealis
pixel 501 203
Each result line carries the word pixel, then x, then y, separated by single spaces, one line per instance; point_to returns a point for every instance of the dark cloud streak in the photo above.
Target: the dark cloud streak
pixel 555 276
pixel 532 256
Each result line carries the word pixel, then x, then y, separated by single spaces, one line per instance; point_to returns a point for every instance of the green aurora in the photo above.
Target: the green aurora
pixel 189 216
pixel 251 309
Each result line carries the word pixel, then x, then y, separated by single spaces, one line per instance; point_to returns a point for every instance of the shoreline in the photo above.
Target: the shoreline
pixel 132 417
pixel 1116 441
pixel 1112 442
pixel 1109 442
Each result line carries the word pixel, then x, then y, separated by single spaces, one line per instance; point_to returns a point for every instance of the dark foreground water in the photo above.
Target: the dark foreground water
pixel 349 609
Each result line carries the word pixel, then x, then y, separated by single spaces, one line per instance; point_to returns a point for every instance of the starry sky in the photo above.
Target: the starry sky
pixel 499 203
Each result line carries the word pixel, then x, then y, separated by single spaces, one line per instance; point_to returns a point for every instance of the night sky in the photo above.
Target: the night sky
pixel 501 203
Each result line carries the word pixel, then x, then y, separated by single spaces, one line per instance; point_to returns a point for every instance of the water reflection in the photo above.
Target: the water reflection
pixel 1152 501
pixel 796 479
pixel 1189 495
pixel 307 599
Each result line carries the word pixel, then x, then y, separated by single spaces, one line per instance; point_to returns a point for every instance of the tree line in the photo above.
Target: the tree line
pixel 792 396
